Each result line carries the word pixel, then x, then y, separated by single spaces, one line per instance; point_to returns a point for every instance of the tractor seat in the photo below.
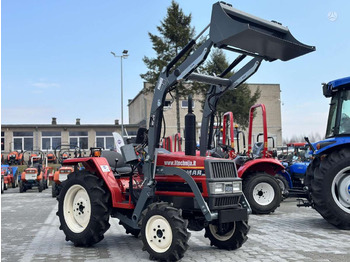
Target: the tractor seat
pixel 257 149
pixel 122 168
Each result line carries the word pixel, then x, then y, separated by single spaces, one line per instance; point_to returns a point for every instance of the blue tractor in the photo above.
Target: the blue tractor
pixel 328 175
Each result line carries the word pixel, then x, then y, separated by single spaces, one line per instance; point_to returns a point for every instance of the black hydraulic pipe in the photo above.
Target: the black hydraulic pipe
pixel 232 65
pixel 190 130
pixel 181 54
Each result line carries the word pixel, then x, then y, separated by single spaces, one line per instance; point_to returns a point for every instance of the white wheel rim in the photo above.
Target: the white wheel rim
pixel 214 229
pixel 263 194
pixel 341 189
pixel 77 208
pixel 158 233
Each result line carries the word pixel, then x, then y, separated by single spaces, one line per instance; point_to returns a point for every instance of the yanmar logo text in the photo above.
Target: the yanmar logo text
pixel 180 163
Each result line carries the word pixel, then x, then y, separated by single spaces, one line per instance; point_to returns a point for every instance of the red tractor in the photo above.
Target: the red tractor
pixel 59 176
pixel 31 177
pixel 165 193
pixel 15 158
pixel 257 167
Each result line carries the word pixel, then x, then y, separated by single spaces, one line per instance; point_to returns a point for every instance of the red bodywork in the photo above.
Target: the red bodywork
pixel 15 157
pixel 65 170
pixel 31 170
pixel 250 134
pixel 119 186
pixel 51 158
pixel 47 172
pixel 8 175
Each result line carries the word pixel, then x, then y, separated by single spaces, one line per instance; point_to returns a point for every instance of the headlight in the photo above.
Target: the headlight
pixel 225 187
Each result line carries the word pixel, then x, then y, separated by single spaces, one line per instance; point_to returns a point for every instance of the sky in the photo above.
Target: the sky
pixel 56 60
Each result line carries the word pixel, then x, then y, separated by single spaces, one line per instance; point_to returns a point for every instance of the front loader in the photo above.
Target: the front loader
pixel 164 194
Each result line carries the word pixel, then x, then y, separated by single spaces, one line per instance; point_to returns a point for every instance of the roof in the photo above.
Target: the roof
pixel 339 82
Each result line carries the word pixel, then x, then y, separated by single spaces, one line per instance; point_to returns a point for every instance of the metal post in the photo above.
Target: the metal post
pixel 124 55
pixel 121 93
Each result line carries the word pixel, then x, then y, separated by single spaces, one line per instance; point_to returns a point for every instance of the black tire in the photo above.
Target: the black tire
pixel 40 186
pixel 2 185
pixel 233 237
pixel 5 186
pixel 262 192
pixel 21 187
pixel 14 183
pixel 54 189
pixel 330 188
pixel 130 230
pixel 156 222
pixel 84 228
pixel 283 184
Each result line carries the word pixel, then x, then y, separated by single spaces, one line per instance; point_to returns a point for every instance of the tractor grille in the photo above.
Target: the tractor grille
pixel 222 169
pixel 226 201
pixel 223 202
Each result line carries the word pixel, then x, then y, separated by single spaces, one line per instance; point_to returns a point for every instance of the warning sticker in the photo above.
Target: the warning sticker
pixel 105 168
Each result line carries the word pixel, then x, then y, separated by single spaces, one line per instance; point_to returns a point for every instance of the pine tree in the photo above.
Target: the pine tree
pixel 175 32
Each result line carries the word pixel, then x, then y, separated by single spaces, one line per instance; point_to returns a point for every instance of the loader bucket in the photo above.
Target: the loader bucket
pixel 230 27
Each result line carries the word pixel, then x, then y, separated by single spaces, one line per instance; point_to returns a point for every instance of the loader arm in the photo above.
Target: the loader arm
pixel 232 30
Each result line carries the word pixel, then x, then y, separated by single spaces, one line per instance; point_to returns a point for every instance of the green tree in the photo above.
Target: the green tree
pixel 238 100
pixel 175 32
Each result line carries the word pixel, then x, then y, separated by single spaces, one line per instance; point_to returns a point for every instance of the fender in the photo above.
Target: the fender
pixel 287 176
pixel 268 165
pixel 100 166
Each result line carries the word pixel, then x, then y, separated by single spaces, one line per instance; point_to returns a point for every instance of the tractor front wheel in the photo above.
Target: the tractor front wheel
pixel 164 232
pixel 2 185
pixel 84 208
pixel 22 187
pixel 40 186
pixel 54 189
pixel 231 236
pixel 330 188
pixel 262 192
pixel 283 183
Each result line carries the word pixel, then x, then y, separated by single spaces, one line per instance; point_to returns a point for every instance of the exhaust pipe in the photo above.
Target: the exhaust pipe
pixel 190 130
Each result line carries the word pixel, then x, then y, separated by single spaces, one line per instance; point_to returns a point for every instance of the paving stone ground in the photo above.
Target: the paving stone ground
pixel 29 232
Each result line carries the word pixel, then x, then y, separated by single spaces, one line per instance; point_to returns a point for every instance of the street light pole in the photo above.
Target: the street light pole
pixel 124 55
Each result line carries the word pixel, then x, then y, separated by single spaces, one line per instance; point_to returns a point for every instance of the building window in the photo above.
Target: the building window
pixel 50 140
pixel 78 138
pixel 2 141
pixel 105 140
pixel 22 140
pixel 184 104
pixel 167 104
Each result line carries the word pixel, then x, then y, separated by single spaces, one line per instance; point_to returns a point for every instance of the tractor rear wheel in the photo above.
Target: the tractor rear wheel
pixel 22 187
pixel 262 192
pixel 54 189
pixel 232 236
pixel 84 208
pixel 283 183
pixel 40 186
pixel 330 188
pixel 164 232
